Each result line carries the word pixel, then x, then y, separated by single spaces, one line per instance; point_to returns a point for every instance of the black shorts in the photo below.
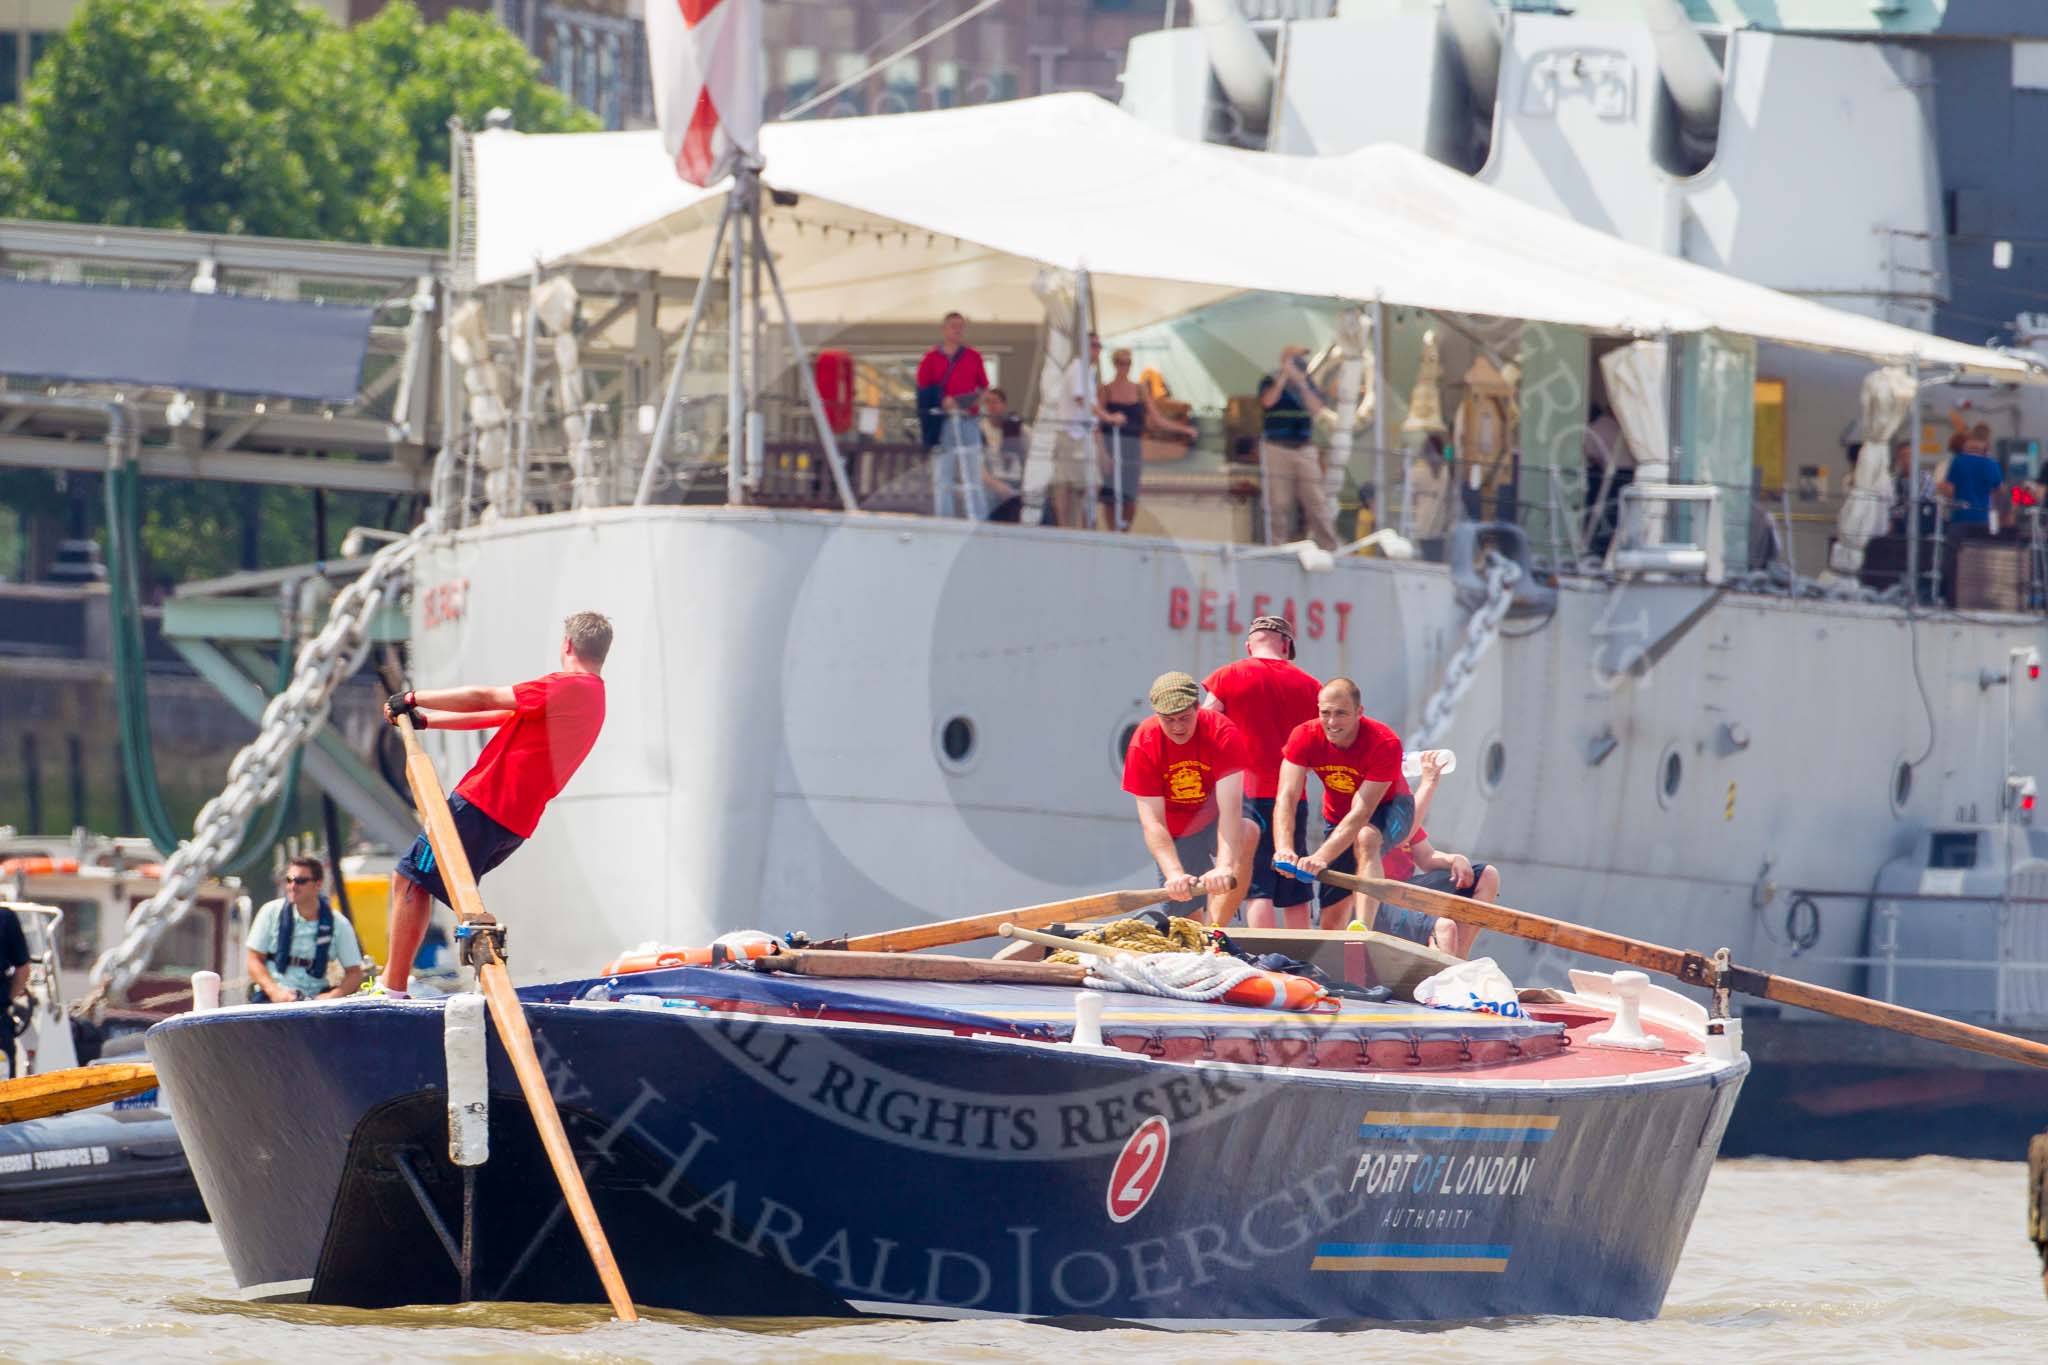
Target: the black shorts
pixel 1440 880
pixel 1393 818
pixel 1266 883
pixel 484 840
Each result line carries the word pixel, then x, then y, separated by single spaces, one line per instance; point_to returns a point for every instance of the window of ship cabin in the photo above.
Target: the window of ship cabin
pixel 190 945
pixel 1953 848
pixel 78 937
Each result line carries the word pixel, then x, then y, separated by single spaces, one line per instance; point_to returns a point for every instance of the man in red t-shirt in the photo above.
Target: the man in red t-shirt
pixel 1267 696
pixel 546 728
pixel 1185 769
pixel 1366 804
pixel 950 382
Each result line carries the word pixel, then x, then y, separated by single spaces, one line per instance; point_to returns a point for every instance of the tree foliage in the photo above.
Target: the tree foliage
pixel 261 117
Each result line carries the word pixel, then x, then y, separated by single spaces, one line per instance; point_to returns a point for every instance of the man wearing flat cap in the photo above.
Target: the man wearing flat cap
pixel 1185 769
pixel 1267 696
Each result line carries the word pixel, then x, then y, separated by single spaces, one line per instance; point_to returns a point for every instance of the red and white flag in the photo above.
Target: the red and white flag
pixel 706 60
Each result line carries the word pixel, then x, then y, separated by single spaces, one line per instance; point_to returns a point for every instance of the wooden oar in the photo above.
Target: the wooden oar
pixel 1695 969
pixel 78 1087
pixel 919 967
pixel 941 933
pixel 1058 944
pixel 510 1016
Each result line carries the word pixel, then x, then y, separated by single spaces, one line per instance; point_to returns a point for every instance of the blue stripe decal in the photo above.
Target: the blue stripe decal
pixel 1415 1250
pixel 1406 1132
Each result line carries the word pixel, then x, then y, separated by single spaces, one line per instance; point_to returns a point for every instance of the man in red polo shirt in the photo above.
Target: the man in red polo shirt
pixel 1185 770
pixel 1267 696
pixel 1366 804
pixel 950 382
pixel 546 728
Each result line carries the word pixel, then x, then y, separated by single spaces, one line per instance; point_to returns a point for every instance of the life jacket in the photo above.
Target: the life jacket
pixel 323 938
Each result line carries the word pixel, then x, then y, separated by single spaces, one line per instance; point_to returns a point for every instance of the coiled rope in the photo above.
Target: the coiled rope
pixel 1175 975
pixel 1138 936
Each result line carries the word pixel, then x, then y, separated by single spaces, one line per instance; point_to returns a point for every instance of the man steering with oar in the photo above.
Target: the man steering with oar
pixel 546 728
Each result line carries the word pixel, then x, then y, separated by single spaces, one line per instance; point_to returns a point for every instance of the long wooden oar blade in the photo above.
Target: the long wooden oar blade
pixel 1695 969
pixel 78 1087
pixel 941 933
pixel 510 1017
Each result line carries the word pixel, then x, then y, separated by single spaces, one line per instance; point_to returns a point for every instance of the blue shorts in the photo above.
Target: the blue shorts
pixel 1266 883
pixel 487 843
pixel 1393 818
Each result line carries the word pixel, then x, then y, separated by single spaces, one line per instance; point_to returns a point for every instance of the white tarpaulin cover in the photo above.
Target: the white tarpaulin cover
pixel 901 217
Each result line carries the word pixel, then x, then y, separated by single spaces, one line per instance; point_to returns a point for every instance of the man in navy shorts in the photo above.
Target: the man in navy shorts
pixel 1367 807
pixel 546 728
pixel 1266 696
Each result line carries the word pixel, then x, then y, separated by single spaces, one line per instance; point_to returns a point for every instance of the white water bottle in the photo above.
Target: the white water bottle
pixel 1411 763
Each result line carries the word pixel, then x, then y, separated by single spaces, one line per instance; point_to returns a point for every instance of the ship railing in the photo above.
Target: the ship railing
pixel 2018 928
pixel 1738 535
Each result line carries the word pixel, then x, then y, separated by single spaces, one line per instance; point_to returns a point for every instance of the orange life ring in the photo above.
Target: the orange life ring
pixel 1275 991
pixel 39 867
pixel 653 959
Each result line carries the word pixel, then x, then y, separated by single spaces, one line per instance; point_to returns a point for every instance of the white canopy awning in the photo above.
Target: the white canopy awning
pixel 904 216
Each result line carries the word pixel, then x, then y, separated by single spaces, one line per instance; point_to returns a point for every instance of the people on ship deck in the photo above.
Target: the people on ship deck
pixel 1367 806
pixel 1972 479
pixel 1005 441
pixel 1185 772
pixel 1267 695
pixel 950 382
pixel 296 938
pixel 546 728
pixel 1287 452
pixel 1130 411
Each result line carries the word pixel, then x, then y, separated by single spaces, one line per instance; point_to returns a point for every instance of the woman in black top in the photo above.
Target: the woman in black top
pixel 1130 413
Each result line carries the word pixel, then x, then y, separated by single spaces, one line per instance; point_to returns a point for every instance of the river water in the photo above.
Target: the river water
pixel 1788 1261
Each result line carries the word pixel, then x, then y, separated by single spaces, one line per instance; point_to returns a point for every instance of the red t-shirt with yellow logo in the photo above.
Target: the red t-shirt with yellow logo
pixel 1185 774
pixel 1374 755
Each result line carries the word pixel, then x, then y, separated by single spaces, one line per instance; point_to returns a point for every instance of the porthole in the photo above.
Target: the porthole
pixel 1670 776
pixel 1902 786
pixel 957 742
pixel 1123 745
pixel 1494 767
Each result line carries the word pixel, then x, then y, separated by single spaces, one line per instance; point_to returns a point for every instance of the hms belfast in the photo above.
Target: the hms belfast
pixel 1745 713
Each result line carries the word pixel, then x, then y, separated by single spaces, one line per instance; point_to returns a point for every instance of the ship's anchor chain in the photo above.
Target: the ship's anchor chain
pixel 1502 574
pixel 291 719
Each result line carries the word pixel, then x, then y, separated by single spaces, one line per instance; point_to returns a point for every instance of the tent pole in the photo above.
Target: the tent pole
pixel 1084 325
pixel 1912 522
pixel 1379 414
pixel 736 317
pixel 517 501
pixel 802 360
pixel 672 395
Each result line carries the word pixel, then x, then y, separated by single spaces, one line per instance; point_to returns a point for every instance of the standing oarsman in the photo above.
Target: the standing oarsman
pixel 1185 770
pixel 1366 804
pixel 1267 696
pixel 546 728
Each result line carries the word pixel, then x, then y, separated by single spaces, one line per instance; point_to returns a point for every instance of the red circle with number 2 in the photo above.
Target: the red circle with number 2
pixel 1137 1171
